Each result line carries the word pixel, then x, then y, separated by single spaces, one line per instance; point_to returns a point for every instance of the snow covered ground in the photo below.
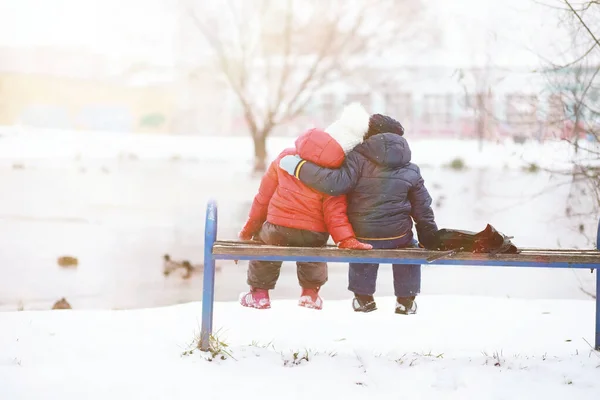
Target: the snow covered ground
pixel 36 144
pixel 118 202
pixel 454 348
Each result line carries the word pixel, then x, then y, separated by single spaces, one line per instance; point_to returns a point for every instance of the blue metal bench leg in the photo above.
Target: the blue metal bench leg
pixel 597 344
pixel 208 287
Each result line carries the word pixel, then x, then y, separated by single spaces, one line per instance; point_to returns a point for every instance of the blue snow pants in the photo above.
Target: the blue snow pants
pixel 362 278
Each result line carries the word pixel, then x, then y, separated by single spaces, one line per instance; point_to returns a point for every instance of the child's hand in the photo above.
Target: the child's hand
pixel 352 243
pixel 289 164
pixel 245 235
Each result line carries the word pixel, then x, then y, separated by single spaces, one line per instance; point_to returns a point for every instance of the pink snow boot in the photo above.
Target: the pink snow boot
pixel 310 299
pixel 256 298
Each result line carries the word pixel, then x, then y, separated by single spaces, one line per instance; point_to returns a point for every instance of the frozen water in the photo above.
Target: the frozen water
pixel 119 202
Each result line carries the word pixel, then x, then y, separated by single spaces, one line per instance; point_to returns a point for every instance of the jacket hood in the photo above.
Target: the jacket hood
pixel 386 149
pixel 318 147
pixel 350 127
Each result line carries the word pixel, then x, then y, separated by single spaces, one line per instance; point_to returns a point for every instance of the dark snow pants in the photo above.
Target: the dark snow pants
pixel 311 275
pixel 362 278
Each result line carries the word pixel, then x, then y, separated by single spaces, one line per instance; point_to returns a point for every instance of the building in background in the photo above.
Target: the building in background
pixel 73 64
pixel 141 66
pixel 71 89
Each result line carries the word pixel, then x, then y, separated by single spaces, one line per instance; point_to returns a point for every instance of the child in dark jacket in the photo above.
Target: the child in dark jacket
pixel 386 193
pixel 285 212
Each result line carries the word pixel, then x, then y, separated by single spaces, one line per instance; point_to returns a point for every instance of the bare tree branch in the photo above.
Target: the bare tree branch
pixel 583 24
pixel 577 60
pixel 287 44
pixel 585 6
pixel 238 84
pixel 278 56
pixel 326 49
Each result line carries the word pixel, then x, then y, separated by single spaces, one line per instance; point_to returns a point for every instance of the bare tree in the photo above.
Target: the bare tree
pixel 277 55
pixel 477 85
pixel 575 79
pixel 570 80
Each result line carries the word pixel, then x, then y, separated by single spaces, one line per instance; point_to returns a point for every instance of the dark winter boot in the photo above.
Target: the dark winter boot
pixel 406 305
pixel 363 303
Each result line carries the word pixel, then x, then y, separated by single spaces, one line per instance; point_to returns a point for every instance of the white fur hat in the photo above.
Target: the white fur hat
pixel 350 127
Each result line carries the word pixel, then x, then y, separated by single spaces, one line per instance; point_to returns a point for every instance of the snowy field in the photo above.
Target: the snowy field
pixel 455 348
pixel 118 202
pixel 59 145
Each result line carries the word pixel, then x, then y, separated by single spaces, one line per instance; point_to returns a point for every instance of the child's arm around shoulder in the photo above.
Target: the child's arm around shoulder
pixel 333 182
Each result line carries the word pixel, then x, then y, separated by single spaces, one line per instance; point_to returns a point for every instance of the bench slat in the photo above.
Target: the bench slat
pixel 565 257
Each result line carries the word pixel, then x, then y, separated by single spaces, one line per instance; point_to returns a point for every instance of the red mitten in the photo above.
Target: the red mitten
pixel 352 243
pixel 245 235
pixel 251 227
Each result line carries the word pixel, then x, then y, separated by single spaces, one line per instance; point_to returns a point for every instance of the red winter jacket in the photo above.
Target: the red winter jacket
pixel 284 200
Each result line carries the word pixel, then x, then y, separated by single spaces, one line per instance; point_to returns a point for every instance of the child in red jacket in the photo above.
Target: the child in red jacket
pixel 285 212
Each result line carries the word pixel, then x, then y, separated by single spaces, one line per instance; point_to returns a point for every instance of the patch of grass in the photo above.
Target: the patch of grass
pixel 532 168
pixel 401 359
pixel 412 361
pixel 429 354
pixel 567 380
pixel 298 357
pixel 256 343
pixel 218 348
pixel 497 358
pixel 458 164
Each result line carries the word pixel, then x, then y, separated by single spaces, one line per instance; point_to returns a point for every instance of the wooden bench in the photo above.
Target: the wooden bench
pixel 235 250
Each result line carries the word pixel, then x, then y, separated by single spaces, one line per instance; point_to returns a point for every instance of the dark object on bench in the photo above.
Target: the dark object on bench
pixel 488 240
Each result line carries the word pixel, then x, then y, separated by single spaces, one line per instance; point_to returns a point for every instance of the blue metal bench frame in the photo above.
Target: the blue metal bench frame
pixel 539 258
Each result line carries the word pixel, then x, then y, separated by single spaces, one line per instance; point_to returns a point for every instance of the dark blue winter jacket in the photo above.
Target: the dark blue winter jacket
pixel 385 190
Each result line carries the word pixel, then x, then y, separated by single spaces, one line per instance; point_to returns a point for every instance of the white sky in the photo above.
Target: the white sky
pixel 512 31
pixel 103 26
